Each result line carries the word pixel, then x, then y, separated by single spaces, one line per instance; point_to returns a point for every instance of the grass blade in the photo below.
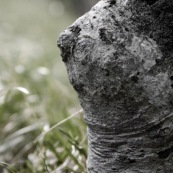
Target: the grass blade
pixel 60 123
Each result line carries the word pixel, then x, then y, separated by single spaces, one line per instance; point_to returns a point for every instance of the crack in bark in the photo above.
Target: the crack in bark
pixel 150 2
pixel 165 153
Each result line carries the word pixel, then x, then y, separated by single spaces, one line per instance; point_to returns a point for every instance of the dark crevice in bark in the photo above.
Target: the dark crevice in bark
pixel 171 77
pixel 112 3
pixel 75 29
pixel 131 160
pixel 134 79
pixel 104 36
pixel 149 2
pixel 165 153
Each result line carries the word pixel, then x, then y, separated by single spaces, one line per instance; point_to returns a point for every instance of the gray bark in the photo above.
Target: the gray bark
pixel 119 58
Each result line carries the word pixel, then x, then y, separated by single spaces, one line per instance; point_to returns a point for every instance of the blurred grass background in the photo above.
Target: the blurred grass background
pixel 34 90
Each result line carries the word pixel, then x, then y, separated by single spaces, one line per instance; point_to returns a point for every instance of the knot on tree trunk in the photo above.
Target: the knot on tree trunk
pixel 119 59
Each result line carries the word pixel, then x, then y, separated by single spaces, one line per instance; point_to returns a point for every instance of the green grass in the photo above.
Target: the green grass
pixel 35 93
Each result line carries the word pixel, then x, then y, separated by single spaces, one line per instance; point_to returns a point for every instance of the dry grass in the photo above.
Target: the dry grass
pixel 35 92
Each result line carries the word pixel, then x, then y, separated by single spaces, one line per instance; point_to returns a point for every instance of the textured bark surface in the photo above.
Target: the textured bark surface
pixel 119 58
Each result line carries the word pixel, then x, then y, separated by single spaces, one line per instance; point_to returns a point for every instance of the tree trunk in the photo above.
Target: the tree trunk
pixel 119 58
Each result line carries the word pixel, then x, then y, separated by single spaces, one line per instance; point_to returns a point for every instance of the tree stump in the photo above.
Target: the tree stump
pixel 119 58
